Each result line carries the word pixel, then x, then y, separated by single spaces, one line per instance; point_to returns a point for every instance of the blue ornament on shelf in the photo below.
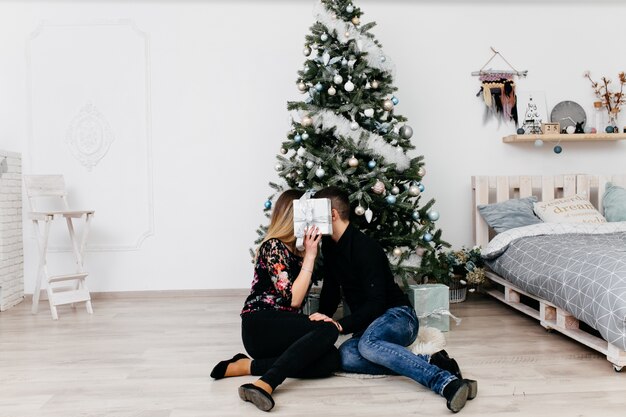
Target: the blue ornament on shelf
pixel 427 237
pixel 433 215
pixel 395 100
pixel 371 164
pixel 297 138
pixel 421 187
pixel 558 149
pixel 609 129
pixel 391 199
pixel 319 87
pixel 305 136
pixel 416 215
pixel 268 204
pixel 520 131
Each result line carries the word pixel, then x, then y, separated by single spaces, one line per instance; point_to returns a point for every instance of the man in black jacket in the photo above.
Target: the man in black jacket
pixel 382 320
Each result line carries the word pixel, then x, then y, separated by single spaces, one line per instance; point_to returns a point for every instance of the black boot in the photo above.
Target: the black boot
pixel 456 394
pixel 443 361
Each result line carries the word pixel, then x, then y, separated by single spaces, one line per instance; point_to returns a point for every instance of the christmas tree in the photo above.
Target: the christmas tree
pixel 346 132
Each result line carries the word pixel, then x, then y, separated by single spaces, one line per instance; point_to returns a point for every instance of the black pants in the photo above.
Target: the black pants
pixel 284 344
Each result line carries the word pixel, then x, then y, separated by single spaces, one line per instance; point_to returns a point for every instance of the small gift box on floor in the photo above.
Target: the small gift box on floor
pixel 309 212
pixel 432 305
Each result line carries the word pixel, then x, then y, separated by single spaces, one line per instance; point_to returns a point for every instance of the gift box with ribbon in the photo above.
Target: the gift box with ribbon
pixel 309 212
pixel 432 305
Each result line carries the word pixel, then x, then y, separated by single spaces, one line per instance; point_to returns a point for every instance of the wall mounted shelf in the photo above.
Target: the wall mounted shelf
pixel 564 137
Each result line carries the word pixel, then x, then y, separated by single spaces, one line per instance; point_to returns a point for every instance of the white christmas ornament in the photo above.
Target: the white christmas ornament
pixel 379 187
pixel 354 126
pixel 302 87
pixel 359 210
pixel 320 172
pixel 368 112
pixel 349 86
pixel 337 79
pixel 395 190
pixel 374 84
pixel 397 252
pixel 332 91
pixel 309 164
pixel 301 152
pixel 388 105
pixel 414 191
pixel 306 51
pixel 306 121
pixel 326 58
pixel 368 215
pixel 421 172
pixel 353 162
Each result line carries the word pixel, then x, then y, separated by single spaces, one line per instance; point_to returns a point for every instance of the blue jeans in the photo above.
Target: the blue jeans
pixel 381 350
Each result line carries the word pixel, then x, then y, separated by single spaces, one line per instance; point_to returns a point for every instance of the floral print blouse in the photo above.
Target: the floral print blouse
pixel 274 272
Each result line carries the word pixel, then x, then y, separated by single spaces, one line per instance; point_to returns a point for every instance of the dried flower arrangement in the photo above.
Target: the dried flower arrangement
pixel 610 100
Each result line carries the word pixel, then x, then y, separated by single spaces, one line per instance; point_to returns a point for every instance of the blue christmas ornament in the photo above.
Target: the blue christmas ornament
pixel 395 100
pixel 433 215
pixel 421 187
pixel 371 164
pixel 609 129
pixel 349 8
pixel 305 136
pixel 297 138
pixel 558 149
pixel 520 131
pixel 268 204
pixel 427 237
pixel 416 215
pixel 319 87
pixel 391 199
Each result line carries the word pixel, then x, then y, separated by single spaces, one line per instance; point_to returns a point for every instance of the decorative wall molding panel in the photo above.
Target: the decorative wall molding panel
pixel 89 118
pixel 89 136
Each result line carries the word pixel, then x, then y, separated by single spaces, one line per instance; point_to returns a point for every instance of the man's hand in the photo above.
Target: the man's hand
pixel 324 317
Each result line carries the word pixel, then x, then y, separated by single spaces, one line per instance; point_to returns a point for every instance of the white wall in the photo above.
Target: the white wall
pixel 195 92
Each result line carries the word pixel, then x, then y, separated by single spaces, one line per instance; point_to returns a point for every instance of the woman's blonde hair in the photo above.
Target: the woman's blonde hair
pixel 281 222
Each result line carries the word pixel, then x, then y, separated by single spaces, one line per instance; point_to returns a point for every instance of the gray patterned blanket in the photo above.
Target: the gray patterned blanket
pixel 582 273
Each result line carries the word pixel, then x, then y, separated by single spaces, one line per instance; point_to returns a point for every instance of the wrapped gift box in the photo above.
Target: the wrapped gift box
pixel 432 305
pixel 308 212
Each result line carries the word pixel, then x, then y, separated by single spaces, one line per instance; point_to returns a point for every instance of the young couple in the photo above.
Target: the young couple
pixel 284 343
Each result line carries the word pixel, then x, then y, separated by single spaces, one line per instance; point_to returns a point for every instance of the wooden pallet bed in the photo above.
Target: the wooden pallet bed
pixel 492 189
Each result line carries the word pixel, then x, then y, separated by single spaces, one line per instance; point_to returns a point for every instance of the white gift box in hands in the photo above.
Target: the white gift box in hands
pixel 309 212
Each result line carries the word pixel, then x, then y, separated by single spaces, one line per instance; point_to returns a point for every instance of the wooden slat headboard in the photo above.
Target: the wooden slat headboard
pixel 496 189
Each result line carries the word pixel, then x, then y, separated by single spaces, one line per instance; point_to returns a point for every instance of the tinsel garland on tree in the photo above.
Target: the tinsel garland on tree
pixel 347 133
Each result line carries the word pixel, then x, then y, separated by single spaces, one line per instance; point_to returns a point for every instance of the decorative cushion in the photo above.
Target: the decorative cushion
pixel 614 202
pixel 574 209
pixel 509 214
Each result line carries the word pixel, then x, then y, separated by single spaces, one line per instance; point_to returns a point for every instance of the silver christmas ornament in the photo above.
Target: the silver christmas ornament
pixel 433 215
pixel 368 112
pixel 278 167
pixel 306 51
pixel 306 121
pixel 349 8
pixel 414 191
pixel 283 151
pixel 324 37
pixel 383 58
pixel 332 91
pixel 326 58
pixel 337 79
pixel 302 87
pixel 349 86
pixel 395 190
pixel 354 125
pixel 309 164
pixel 421 172
pixel 406 132
pixel 320 172
pixel 388 105
pixel 305 136
pixel 301 152
pixel 374 84
pixel 397 252
pixel 379 187
pixel 359 210
pixel 416 215
pixel 368 215
pixel 353 162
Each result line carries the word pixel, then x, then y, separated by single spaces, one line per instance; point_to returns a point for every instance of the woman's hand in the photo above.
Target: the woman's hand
pixel 312 239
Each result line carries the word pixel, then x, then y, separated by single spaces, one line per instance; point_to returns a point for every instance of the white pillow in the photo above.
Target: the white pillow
pixel 574 209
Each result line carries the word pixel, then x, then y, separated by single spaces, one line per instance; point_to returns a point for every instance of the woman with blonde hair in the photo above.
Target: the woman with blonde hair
pixel 281 340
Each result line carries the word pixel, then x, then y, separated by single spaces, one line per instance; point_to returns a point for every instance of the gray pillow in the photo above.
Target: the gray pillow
pixel 510 214
pixel 614 202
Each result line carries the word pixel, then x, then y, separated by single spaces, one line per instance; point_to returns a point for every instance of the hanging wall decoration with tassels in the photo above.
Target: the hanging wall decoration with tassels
pixel 497 90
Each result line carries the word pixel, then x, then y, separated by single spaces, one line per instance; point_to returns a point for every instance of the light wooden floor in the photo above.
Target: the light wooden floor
pixel 151 357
